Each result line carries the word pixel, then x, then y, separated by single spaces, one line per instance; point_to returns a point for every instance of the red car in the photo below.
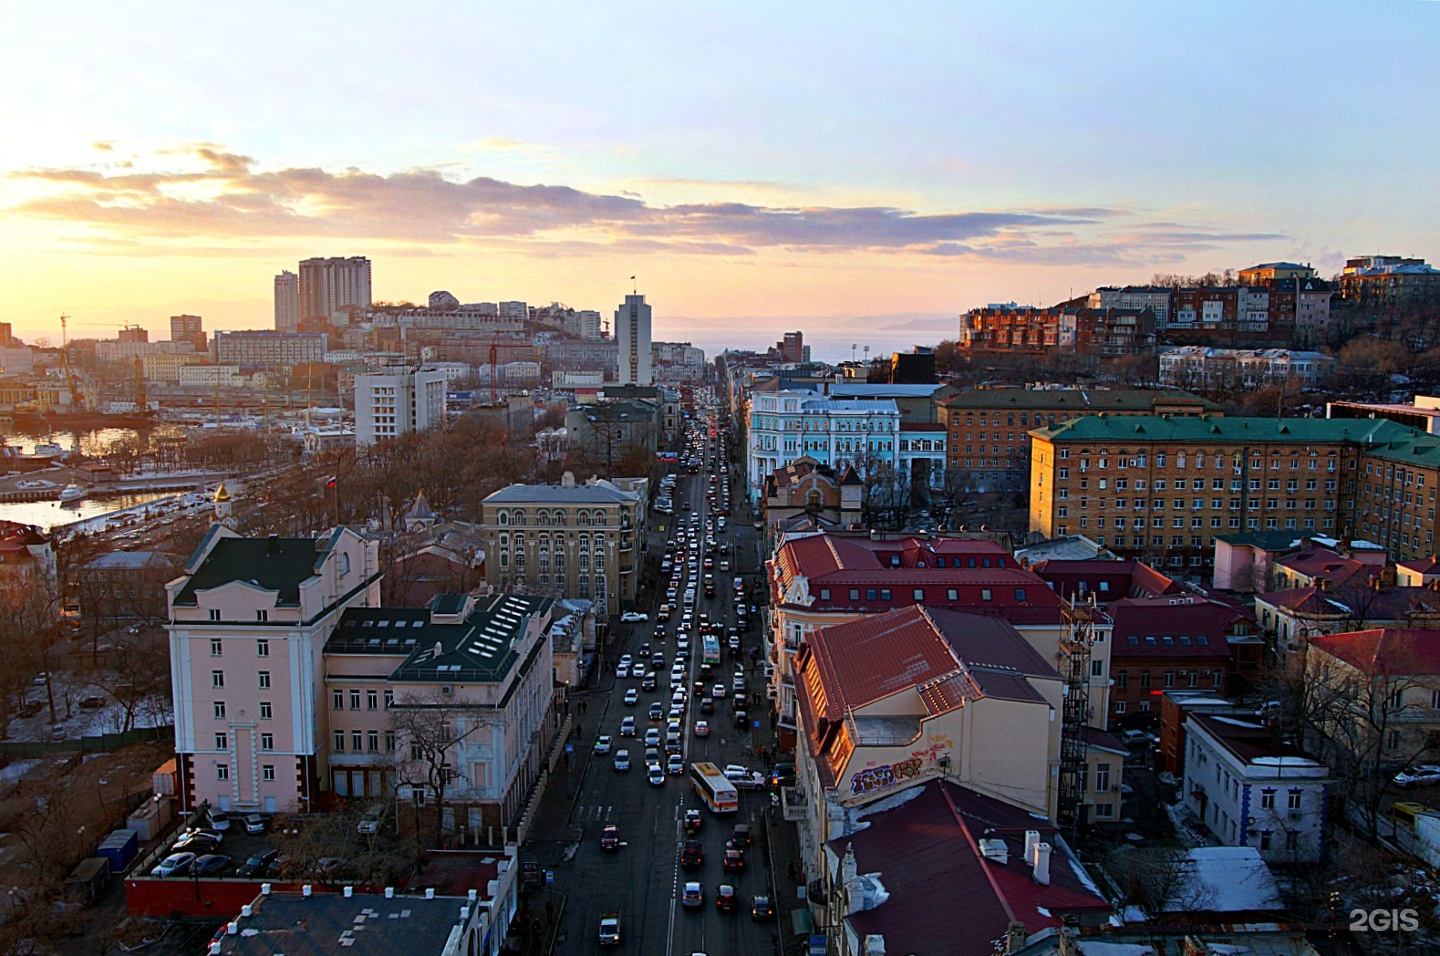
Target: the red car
pixel 610 838
pixel 734 861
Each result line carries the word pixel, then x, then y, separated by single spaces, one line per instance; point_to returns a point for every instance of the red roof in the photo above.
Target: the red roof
pixel 1331 565
pixel 1173 627
pixel 1392 651
pixel 926 855
pixel 1104 580
pixel 1430 565
pixel 872 658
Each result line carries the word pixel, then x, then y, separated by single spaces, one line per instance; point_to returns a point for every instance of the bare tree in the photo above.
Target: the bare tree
pixel 427 729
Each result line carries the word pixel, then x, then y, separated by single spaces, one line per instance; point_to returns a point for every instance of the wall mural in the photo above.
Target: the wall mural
pixel 872 779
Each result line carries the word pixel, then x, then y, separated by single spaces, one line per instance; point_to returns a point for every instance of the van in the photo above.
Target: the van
pixel 690 599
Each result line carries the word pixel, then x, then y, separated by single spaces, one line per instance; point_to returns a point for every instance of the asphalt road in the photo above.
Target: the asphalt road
pixel 642 880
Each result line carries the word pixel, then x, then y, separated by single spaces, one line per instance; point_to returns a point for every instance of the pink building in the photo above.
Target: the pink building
pixel 248 622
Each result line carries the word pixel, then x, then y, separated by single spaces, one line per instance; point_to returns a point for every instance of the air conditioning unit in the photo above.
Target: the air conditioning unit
pixel 446 689
pixel 1294 814
pixel 1249 821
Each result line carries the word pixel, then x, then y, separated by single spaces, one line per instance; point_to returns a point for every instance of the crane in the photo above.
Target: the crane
pixel 495 346
pixel 76 398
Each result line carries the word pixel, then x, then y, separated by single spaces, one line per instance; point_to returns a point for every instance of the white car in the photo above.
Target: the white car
pixel 655 775
pixel 632 617
pixel 602 744
pixel 1422 774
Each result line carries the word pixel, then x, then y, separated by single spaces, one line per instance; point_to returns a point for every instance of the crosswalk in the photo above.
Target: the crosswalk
pixel 594 814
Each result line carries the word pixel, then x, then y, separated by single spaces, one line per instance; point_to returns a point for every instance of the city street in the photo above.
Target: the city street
pixel 642 880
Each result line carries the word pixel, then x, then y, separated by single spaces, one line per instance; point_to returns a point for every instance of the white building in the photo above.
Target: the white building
pixel 331 287
pixel 209 376
pixel 785 425
pixel 287 302
pixel 632 335
pixel 396 401
pixel 17 360
pixel 1249 789
pixel 1201 366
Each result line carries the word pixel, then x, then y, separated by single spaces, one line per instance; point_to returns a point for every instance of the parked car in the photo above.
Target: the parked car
pixel 370 822
pixel 255 823
pixel 209 864
pixel 196 843
pixel 257 865
pixel 219 820
pixel 1419 775
pixel 634 617
pixel 176 864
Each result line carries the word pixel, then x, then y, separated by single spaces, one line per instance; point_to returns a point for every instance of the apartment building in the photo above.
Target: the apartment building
pixel 632 338
pixel 287 302
pixel 1096 333
pixel 394 402
pixel 164 367
pixel 249 619
pixel 1199 366
pixel 988 442
pixel 396 676
pixel 1161 643
pixel 1161 489
pixel 568 540
pixel 1389 284
pixel 330 288
pixel 269 348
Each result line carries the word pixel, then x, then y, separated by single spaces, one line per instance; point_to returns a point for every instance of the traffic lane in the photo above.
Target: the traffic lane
pixel 707 929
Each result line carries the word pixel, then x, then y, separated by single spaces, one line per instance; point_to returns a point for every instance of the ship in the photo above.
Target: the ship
pixel 73 492
pixel 80 420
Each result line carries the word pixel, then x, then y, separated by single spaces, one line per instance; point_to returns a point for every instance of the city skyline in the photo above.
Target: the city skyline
pixel 864 179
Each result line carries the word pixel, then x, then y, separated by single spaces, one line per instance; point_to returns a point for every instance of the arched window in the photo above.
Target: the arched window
pixel 813 500
pixel 503 517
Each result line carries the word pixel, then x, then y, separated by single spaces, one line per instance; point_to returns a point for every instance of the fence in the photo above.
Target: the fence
pixel 98 743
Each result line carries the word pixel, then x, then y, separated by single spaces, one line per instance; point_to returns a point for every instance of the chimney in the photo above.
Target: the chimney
pixel 1015 936
pixel 246 910
pixel 874 945
pixel 349 892
pixel 847 866
pixel 430 892
pixel 272 546
pixel 389 892
pixel 1042 864
pixel 567 480
pixel 306 890
pixel 1032 839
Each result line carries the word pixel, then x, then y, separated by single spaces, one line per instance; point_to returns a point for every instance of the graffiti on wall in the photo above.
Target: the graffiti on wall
pixel 878 778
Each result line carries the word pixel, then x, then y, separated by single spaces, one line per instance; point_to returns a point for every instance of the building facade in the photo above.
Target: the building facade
pixel 189 328
pixel 282 349
pixel 1199 366
pixel 331 288
pixel 287 302
pixel 784 425
pixel 568 540
pixel 632 337
pixel 396 402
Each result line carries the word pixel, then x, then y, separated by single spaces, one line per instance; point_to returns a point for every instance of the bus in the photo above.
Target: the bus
pixel 710 649
pixel 712 786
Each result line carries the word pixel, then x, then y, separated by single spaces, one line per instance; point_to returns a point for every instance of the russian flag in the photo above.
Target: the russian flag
pixel 330 483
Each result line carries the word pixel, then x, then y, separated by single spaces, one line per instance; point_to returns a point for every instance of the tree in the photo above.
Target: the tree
pixel 428 726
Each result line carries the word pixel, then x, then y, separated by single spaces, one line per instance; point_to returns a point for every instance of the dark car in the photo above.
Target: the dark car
pixel 610 838
pixel 742 718
pixel 257 865
pixel 692 895
pixel 734 861
pixel 693 821
pixel 726 901
pixel 740 836
pixel 707 705
pixel 692 855
pixel 761 909
pixel 209 864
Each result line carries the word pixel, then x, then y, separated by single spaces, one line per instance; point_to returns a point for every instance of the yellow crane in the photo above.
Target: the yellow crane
pixel 77 398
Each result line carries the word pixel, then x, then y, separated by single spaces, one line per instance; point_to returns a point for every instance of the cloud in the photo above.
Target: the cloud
pixel 213 196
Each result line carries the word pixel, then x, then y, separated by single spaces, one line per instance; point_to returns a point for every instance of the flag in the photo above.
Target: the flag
pixel 632 278
pixel 330 482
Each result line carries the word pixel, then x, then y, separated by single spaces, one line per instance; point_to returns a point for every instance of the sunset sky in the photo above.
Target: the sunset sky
pixel 863 172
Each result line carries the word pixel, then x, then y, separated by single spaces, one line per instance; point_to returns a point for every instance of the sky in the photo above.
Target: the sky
pixel 864 172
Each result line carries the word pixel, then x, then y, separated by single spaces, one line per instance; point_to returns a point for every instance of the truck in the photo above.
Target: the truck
pixel 609 929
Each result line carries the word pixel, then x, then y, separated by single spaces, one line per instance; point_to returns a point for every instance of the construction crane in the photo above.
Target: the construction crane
pixel 76 397
pixel 495 346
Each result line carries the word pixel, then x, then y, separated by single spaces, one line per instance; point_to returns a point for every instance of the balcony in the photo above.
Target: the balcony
pixel 793 805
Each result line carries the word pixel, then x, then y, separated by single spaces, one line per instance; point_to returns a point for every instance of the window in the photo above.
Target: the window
pixel 984 594
pixel 372 700
pixel 222 741
pixel 357 741
pixel 1265 836
pixel 1120 707
pixel 372 741
pixel 1020 595
pixel 1102 778
pixel 1097 668
pixel 870 594
pixel 264 680
pixel 219 710
pixel 854 594
pixel 262 615
pixel 1267 799
pixel 1292 800
pixel 267 741
pixel 265 712
pixel 1144 680
pixel 217 678
pixel 389 741
pixel 824 594
pixel 952 594
pixel 389 699
pixel 918 594
pixel 215 616
pixel 222 771
pixel 1122 679
pixel 339 741
pixel 215 647
pixel 267 772
pixel 262 648
pixel 354 700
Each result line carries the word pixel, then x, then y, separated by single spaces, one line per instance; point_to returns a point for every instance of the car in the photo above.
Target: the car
pixel 602 744
pixel 257 865
pixel 694 822
pixel 657 710
pixel 219 820
pixel 643 651
pixel 677 711
pixel 93 702
pixel 196 842
pixel 782 775
pixel 664 613
pixel 1134 737
pixel 692 855
pixel 657 661
pixel 718 691
pixel 702 728
pixel 725 899
pixel 632 697
pixel 255 823
pixel 627 727
pixel 610 837
pixel 740 836
pixel 738 685
pixel 761 909
pixel 626 660
pixel 742 718
pixel 692 895
pixel 654 774
pixel 370 822
pixel 652 737
pixel 634 617
pixel 176 864
pixel 1419 775
pixel 675 765
pixel 734 771
pixel 733 642
pixel 331 868
pixel 707 705
pixel 734 861
pixel 209 864
pixel 648 681
pixel 652 755
pixel 609 929
pixel 622 760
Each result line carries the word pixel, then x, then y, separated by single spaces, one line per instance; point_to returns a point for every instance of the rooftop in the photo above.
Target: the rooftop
pixel 591 493
pixel 133 561
pixel 1250 742
pixel 272 564
pixel 1394 651
pixel 1173 627
pixel 1082 401
pixel 329 924
pixel 1122 429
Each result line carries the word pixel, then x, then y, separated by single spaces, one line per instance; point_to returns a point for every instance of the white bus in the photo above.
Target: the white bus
pixel 712 786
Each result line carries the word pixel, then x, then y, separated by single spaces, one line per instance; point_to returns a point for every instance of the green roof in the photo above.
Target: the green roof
pixel 1080 400
pixel 278 564
pixel 1208 428
pixel 1264 540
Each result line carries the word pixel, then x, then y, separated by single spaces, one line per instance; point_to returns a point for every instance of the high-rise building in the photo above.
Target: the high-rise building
pixel 395 401
pixel 330 287
pixel 188 328
pixel 792 347
pixel 632 333
pixel 266 348
pixel 287 302
pixel 133 334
